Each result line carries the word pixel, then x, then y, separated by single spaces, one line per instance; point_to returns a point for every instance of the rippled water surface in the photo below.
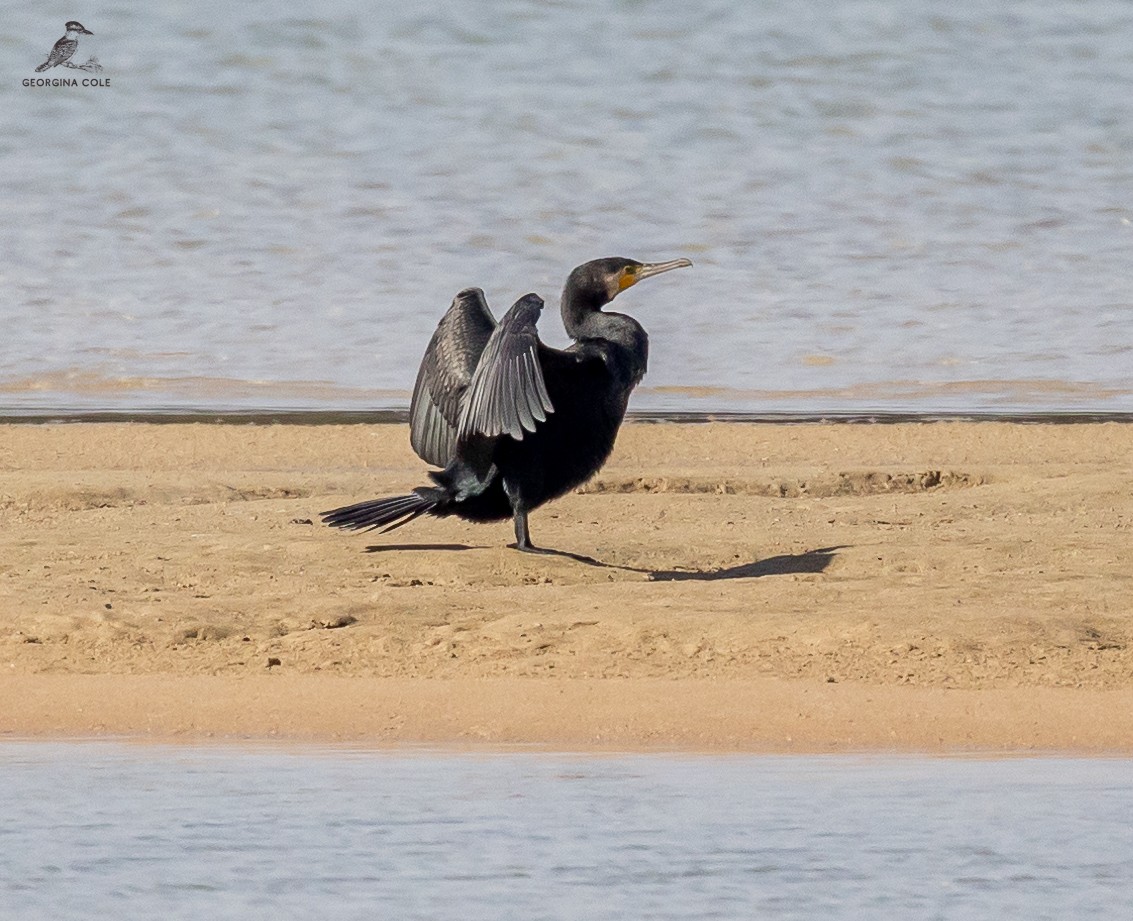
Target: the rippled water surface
pixel 889 204
pixel 103 830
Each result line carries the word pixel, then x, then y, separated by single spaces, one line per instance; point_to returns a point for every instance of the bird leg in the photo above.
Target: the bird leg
pixel 523 536
pixel 519 511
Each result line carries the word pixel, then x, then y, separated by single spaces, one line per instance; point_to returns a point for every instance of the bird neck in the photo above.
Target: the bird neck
pixel 584 319
pixel 580 308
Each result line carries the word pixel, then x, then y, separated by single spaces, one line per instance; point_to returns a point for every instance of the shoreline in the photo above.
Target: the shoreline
pixel 579 716
pixel 943 587
pixel 400 416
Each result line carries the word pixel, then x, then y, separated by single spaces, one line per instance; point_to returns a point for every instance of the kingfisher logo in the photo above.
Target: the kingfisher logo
pixel 63 55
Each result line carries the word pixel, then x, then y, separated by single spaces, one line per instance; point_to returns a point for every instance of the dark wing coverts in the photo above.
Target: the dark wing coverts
pixel 507 395
pixel 446 372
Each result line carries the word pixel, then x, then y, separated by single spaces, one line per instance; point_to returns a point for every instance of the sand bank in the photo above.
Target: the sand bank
pixel 944 586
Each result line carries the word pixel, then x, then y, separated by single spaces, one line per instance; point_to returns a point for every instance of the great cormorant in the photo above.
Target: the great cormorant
pixel 513 422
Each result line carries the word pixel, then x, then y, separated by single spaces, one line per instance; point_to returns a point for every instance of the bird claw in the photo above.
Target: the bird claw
pixel 531 548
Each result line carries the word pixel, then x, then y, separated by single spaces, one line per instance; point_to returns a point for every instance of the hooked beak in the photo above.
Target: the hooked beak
pixel 656 268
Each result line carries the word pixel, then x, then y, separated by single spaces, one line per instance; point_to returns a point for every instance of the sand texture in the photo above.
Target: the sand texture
pixel 921 586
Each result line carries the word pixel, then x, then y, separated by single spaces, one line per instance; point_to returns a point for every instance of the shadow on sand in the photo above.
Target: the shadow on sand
pixel 382 548
pixel 812 561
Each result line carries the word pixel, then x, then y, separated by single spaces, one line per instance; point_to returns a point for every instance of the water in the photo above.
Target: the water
pixel 891 205
pixel 102 829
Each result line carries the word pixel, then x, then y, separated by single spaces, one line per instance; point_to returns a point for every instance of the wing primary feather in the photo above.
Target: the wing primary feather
pixel 541 387
pixel 513 393
pixel 445 374
pixel 530 404
pixel 507 394
pixel 523 397
pixel 534 402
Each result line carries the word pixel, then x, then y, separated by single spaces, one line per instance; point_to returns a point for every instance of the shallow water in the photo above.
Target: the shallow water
pixel 890 205
pixel 96 829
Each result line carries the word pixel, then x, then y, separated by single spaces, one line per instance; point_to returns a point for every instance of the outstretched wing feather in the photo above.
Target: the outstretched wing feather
pixel 537 396
pixel 445 374
pixel 507 395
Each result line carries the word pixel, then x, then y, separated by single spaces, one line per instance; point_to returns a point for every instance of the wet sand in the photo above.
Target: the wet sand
pixel 909 587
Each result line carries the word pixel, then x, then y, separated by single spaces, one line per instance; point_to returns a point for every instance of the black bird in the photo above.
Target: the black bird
pixel 513 422
pixel 65 47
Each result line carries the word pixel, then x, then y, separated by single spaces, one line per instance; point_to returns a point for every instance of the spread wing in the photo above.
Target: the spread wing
pixel 445 375
pixel 507 394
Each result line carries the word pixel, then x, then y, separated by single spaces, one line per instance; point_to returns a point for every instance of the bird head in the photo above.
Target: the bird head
pixel 73 26
pixel 609 277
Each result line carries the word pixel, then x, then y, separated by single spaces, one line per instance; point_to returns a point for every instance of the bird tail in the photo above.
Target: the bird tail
pixel 387 514
pixel 42 67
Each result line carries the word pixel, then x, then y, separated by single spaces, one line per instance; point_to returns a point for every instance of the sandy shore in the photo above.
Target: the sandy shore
pixel 928 587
